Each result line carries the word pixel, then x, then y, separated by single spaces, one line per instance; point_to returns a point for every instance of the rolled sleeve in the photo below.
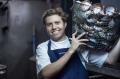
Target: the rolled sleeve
pixel 97 58
pixel 42 58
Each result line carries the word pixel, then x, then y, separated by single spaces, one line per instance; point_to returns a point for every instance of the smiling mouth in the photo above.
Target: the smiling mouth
pixel 55 32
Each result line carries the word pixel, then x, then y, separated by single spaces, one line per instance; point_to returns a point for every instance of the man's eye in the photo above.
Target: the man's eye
pixel 48 25
pixel 57 23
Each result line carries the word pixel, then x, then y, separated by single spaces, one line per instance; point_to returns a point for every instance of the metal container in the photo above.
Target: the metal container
pixel 101 24
pixel 3 71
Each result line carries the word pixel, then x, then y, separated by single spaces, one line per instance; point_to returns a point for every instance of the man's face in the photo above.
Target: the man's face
pixel 55 27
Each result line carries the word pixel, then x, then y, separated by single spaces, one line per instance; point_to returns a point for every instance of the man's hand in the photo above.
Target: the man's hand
pixel 77 41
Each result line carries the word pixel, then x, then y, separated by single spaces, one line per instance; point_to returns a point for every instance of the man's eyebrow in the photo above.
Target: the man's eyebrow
pixel 57 21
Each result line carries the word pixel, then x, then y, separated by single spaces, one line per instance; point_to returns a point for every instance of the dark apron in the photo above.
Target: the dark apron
pixel 73 69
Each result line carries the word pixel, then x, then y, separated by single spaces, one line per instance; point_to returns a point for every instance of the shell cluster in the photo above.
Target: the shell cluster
pixel 101 23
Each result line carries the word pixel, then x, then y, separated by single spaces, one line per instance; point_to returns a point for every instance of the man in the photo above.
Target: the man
pixel 57 58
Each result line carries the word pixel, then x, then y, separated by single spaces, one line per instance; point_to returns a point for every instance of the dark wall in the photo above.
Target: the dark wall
pixel 17 47
pixel 66 5
pixel 3 26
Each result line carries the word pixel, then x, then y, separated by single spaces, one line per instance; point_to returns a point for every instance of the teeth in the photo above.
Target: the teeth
pixel 55 32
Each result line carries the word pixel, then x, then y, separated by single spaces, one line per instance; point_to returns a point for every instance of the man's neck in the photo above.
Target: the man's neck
pixel 59 40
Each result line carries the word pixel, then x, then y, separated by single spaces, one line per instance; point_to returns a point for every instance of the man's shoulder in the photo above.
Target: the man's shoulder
pixel 43 44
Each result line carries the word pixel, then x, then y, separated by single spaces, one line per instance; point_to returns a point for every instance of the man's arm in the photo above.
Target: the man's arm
pixel 54 68
pixel 113 54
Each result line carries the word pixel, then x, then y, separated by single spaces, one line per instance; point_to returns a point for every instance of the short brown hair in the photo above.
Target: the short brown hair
pixel 57 11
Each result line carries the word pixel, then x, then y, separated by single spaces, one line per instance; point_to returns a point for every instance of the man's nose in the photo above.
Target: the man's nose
pixel 53 26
